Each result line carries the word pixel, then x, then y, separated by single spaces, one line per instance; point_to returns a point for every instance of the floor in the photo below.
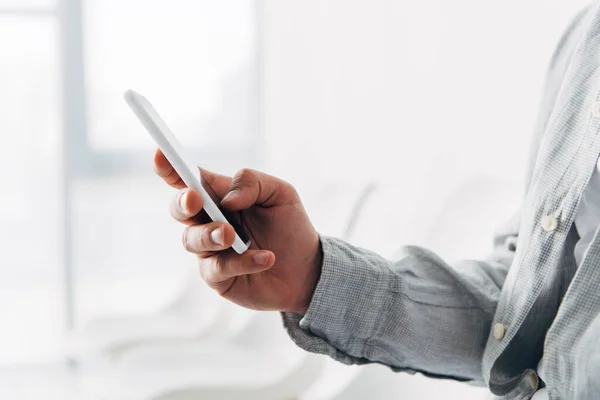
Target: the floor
pixel 52 381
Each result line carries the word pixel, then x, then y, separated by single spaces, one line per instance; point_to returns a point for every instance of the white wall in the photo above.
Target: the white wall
pixel 422 95
pixel 415 93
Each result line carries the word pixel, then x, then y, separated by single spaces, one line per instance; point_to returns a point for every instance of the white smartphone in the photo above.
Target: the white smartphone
pixel 189 173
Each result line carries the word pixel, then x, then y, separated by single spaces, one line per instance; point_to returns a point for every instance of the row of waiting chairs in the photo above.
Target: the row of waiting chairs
pixel 202 347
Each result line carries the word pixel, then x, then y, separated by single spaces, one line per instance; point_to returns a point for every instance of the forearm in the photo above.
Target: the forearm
pixel 415 314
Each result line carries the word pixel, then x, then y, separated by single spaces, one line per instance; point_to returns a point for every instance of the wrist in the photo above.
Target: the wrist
pixel 310 281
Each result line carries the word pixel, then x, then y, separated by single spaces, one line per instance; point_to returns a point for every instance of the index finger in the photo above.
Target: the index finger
pixel 165 170
pixel 218 183
pixel 225 265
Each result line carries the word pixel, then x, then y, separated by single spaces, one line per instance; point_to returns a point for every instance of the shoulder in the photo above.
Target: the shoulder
pixel 576 27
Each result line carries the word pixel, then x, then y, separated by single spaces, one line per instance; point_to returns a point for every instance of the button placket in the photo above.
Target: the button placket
pixel 596 109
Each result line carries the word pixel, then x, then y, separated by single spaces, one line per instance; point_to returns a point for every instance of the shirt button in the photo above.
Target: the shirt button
pixel 499 331
pixel 549 223
pixel 596 109
pixel 511 243
pixel 533 380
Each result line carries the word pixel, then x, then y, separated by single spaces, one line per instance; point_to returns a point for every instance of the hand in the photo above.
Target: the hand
pixel 283 265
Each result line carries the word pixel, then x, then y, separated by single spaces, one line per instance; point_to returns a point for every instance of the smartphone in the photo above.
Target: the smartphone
pixel 189 172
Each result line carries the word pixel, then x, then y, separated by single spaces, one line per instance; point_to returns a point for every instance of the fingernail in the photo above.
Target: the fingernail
pixel 183 202
pixel 218 236
pixel 230 195
pixel 261 258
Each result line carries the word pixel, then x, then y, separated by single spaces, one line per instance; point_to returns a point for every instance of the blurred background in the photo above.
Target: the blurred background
pixel 357 103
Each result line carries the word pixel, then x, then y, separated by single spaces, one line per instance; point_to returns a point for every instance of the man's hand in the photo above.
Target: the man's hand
pixel 281 268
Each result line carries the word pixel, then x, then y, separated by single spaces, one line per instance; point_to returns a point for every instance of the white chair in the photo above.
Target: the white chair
pixel 260 362
pixel 252 358
pixel 455 224
pixel 330 205
pixel 196 313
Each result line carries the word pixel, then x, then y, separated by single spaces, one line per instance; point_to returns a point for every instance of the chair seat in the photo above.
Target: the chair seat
pixel 152 372
pixel 113 333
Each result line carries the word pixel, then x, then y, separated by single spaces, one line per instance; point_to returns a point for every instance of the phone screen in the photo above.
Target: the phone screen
pixel 234 218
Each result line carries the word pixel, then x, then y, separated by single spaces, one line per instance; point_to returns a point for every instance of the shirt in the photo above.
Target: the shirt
pixel 587 219
pixel 488 321
pixel 587 222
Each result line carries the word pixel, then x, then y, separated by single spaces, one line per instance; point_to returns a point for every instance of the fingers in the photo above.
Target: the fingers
pixel 165 170
pixel 226 265
pixel 207 238
pixel 219 183
pixel 186 204
pixel 249 187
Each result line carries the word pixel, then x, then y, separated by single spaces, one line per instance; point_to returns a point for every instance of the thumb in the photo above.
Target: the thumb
pixel 219 183
pixel 249 187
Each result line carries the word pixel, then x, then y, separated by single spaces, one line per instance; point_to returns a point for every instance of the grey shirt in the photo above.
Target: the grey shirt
pixel 492 320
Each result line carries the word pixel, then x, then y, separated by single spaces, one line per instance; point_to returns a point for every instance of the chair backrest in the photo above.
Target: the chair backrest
pixel 464 226
pixel 192 295
pixel 455 222
pixel 330 204
pixel 197 303
pixel 263 329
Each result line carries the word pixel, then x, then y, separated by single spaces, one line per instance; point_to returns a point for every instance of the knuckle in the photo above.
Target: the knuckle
pixel 244 175
pixel 194 239
pixel 293 192
pixel 219 265
pixel 171 178
pixel 184 239
pixel 247 172
pixel 287 188
pixel 288 192
pixel 204 239
pixel 202 268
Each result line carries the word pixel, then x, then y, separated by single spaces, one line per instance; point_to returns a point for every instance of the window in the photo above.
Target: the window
pixel 31 312
pixel 24 6
pixel 196 62
pixel 83 222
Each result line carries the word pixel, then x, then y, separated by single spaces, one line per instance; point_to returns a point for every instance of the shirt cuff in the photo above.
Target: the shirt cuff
pixel 345 307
